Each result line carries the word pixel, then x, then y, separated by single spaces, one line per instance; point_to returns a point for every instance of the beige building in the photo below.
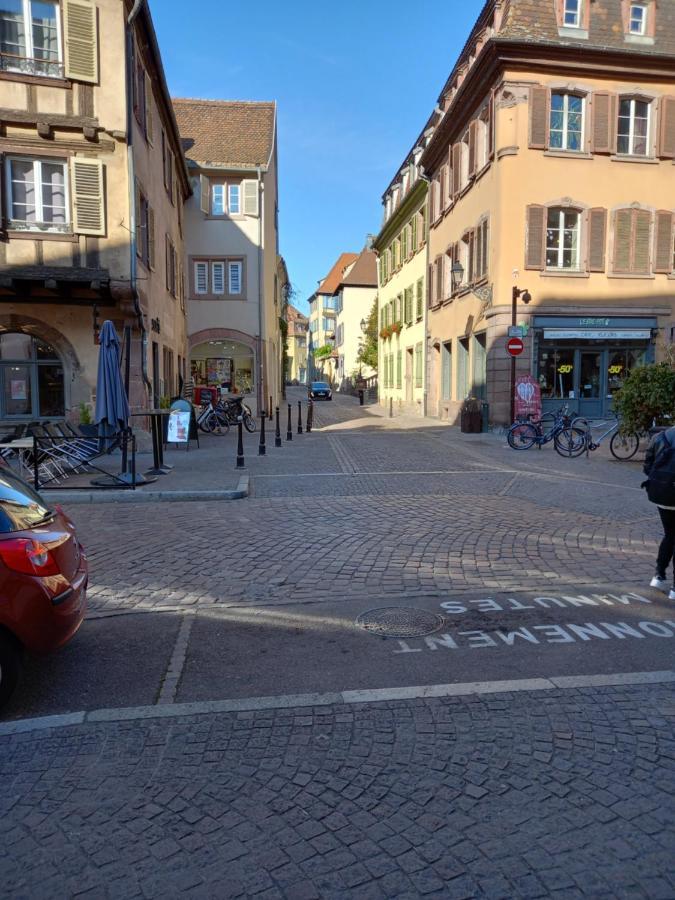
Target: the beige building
pixel 296 356
pixel 401 246
pixel 355 295
pixel 91 194
pixel 233 284
pixel 322 355
pixel 552 171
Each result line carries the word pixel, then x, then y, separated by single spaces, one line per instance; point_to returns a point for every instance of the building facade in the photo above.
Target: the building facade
pixel 322 355
pixel 91 195
pixel 231 253
pixel 355 295
pixel 552 171
pixel 296 356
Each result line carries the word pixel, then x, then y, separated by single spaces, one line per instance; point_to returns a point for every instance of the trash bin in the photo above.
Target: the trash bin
pixel 360 396
pixel 470 418
pixel 485 416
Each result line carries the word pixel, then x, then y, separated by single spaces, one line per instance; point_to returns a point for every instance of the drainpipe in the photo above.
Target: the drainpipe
pixel 425 307
pixel 261 312
pixel 132 197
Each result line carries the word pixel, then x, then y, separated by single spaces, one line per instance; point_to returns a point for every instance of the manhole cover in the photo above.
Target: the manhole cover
pixel 400 621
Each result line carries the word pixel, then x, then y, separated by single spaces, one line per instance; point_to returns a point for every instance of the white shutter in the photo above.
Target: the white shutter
pixel 204 198
pixel 234 270
pixel 218 277
pixel 201 278
pixel 81 40
pixel 86 177
pixel 250 198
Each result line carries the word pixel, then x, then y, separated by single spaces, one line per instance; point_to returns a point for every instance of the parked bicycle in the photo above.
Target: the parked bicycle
pixel 623 444
pixel 568 440
pixel 217 419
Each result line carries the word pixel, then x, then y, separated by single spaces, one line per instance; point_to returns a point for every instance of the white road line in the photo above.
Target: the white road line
pixel 167 693
pixel 379 695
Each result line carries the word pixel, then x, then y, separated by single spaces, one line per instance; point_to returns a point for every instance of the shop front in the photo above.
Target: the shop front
pixel 228 365
pixel 582 361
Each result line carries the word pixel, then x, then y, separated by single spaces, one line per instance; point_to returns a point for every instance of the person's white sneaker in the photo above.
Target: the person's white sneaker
pixel 661 584
pixel 671 595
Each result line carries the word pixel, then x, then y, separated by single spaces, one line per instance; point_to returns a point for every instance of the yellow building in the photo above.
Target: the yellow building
pixel 322 355
pixel 552 172
pixel 91 194
pixel 296 356
pixel 401 246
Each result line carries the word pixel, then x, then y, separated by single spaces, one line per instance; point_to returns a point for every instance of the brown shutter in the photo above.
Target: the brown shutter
pixel 491 126
pixel 204 191
pixel 642 243
pixel 439 279
pixel 430 286
pixel 667 129
pixel 81 41
pixel 151 237
pixel 456 169
pixel 663 242
pixel 538 118
pixel 597 227
pixel 536 237
pixel 604 122
pixel 623 232
pixel 472 148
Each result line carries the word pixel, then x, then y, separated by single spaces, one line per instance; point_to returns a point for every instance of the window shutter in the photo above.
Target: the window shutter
pixel 218 277
pixel 597 227
pixel 539 118
pixel 491 126
pixel 250 198
pixel 456 169
pixel 235 279
pixel 151 237
pixel 536 237
pixel 204 200
pixel 604 122
pixel 667 130
pixel 623 230
pixel 86 176
pixel 81 41
pixel 472 148
pixel 139 232
pixel 642 244
pixel 663 242
pixel 430 285
pixel 149 125
pixel 439 279
pixel 201 278
pixel 167 261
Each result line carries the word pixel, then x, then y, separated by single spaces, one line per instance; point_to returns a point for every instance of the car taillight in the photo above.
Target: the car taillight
pixel 28 557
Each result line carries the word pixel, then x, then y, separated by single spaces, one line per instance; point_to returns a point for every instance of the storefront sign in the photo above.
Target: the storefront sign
pixel 623 334
pixel 178 430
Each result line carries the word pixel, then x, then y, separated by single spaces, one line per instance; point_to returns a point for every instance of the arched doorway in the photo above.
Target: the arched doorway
pixel 31 378
pixel 224 363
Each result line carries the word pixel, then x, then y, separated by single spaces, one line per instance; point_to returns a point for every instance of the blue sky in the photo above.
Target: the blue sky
pixel 354 83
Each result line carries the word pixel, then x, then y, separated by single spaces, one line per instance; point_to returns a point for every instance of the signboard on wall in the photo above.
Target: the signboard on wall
pixel 623 334
pixel 178 430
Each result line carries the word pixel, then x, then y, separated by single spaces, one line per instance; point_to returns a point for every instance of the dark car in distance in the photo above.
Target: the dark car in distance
pixel 43 578
pixel 319 390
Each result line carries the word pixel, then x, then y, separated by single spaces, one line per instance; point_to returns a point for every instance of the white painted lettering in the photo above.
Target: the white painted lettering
pixel 621 630
pixel 603 598
pixel 487 605
pixel 625 599
pixel 516 604
pixel 670 622
pixel 406 649
pixel 544 601
pixel 442 640
pixel 639 597
pixel 656 629
pixel 509 637
pixel 554 634
pixel 478 639
pixel 587 631
pixel 581 600
pixel 452 607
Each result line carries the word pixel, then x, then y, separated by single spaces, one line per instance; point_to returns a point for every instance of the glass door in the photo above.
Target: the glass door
pixel 590 388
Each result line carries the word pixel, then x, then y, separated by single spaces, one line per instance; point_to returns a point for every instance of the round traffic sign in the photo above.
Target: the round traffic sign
pixel 515 346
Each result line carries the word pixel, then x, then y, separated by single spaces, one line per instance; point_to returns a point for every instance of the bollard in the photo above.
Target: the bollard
pixel 277 435
pixel 240 444
pixel 261 444
pixel 360 396
pixel 310 416
pixel 391 407
pixel 289 429
pixel 299 417
pixel 270 407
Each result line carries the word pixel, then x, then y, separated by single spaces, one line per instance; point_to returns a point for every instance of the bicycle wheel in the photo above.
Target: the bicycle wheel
pixel 624 446
pixel 570 442
pixel 522 436
pixel 249 422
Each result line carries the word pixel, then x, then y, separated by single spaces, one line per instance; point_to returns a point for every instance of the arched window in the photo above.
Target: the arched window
pixel 31 378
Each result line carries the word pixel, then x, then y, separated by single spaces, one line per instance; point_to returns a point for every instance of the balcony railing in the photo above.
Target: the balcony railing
pixel 22 225
pixel 27 66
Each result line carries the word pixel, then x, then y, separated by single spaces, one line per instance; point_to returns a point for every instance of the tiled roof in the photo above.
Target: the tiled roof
pixel 226 132
pixel 364 271
pixel 332 281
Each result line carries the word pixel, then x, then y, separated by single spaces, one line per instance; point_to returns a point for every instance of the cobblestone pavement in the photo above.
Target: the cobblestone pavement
pixel 567 794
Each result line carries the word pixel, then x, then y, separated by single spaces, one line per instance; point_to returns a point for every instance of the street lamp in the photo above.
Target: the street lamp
pixel 515 294
pixel 364 326
pixel 457 274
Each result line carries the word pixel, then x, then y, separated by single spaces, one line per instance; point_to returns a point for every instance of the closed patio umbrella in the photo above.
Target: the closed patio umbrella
pixel 112 405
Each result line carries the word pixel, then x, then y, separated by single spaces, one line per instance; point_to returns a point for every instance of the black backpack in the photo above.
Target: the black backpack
pixel 660 482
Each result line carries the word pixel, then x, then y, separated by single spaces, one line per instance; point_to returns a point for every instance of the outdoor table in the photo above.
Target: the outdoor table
pixel 155 416
pixel 21 446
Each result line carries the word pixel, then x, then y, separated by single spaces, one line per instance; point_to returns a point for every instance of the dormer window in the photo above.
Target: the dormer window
pixel 572 14
pixel 637 23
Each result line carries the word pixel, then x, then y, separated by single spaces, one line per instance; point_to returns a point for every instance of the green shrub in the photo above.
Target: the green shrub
pixel 85 414
pixel 647 394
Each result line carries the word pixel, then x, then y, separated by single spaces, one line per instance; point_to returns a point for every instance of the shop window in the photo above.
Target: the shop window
pixel 31 378
pixel 555 367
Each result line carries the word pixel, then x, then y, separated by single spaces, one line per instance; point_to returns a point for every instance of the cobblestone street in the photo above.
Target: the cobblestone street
pixel 220 728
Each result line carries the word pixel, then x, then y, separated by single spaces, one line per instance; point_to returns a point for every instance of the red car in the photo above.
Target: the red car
pixel 43 578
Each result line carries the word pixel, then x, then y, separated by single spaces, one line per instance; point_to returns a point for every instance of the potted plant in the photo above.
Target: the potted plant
pixel 385 332
pixel 87 427
pixel 397 328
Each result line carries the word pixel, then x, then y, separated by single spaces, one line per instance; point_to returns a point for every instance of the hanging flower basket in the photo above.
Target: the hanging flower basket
pixel 385 332
pixel 396 328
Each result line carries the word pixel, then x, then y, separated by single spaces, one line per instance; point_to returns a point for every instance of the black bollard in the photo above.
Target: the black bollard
pixel 299 417
pixel 270 407
pixel 240 444
pixel 261 445
pixel 289 429
pixel 277 436
pixel 310 416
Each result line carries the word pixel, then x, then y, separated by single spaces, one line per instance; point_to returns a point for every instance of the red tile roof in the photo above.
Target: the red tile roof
pixel 226 132
pixel 332 281
pixel 364 271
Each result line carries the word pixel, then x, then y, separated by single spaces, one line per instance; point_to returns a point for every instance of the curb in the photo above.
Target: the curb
pixel 336 698
pixel 138 496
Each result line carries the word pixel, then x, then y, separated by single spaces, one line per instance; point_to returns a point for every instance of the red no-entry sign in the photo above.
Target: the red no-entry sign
pixel 514 346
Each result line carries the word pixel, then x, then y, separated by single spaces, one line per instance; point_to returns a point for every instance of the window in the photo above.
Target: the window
pixel 233 201
pixel 418 365
pixel 419 311
pixel 407 306
pixel 37 194
pixel 31 378
pixel 399 367
pixel 145 230
pixel 234 270
pixel 446 371
pixel 633 133
pixel 572 13
pixel 167 166
pixel 562 239
pixel 480 266
pixel 566 122
pixel 218 200
pixel 171 266
pixel 328 324
pixel 201 278
pixel 637 23
pixel 218 279
pixel 413 235
pixel 404 244
pixel 30 37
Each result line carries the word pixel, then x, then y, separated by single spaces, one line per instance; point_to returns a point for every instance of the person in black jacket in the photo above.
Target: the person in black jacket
pixel 660 457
